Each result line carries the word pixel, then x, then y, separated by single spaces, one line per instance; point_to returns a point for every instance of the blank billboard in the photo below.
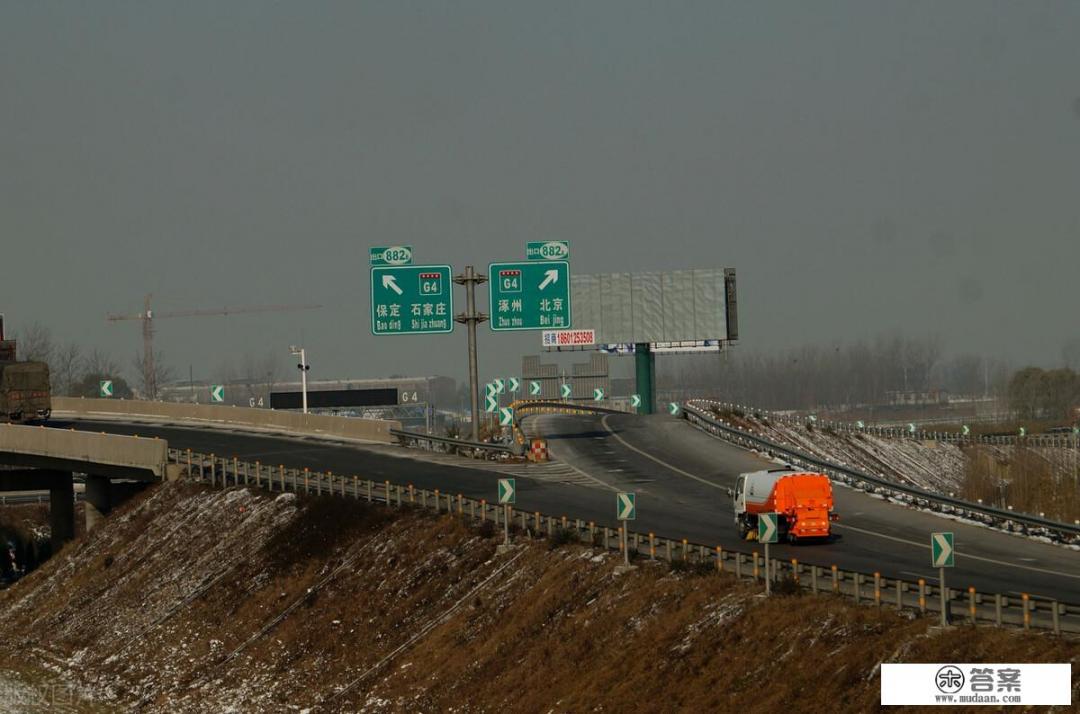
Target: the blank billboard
pixel 673 306
pixel 331 398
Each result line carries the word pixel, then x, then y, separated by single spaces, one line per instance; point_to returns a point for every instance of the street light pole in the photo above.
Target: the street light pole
pixel 303 367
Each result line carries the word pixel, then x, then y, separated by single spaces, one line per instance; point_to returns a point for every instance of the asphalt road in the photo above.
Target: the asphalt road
pixel 680 475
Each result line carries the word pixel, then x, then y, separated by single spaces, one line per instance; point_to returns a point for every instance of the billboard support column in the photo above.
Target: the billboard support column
pixel 645 373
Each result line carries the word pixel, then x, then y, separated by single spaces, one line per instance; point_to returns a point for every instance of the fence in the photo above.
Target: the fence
pixel 919 596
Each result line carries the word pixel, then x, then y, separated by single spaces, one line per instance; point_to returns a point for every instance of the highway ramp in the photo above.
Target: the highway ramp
pixel 681 475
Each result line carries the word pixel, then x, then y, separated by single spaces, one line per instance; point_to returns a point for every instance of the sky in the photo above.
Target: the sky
pixel 867 167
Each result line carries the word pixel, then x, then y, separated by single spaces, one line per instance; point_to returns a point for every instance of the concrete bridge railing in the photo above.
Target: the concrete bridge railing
pixel 267 420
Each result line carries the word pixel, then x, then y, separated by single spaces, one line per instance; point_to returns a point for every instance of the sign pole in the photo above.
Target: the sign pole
pixel 625 544
pixel 944 598
pixel 768 586
pixel 470 318
pixel 506 524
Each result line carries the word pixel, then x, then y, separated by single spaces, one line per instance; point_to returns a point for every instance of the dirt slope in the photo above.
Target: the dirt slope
pixel 192 600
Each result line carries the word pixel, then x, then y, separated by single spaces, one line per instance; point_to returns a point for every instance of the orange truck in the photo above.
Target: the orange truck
pixel 803 500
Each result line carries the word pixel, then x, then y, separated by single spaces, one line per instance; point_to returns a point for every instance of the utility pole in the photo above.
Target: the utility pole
pixel 470 279
pixel 303 367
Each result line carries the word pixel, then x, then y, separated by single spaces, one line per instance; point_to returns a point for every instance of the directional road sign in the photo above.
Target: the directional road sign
pixel 533 295
pixel 966 429
pixel 941 548
pixel 217 392
pixel 626 506
pixel 635 400
pixel 860 424
pixel 411 299
pixel 506 416
pixel 1023 431
pixel 911 428
pixel 392 255
pixel 105 387
pixel 500 385
pixel 673 408
pixel 491 403
pixel 767 531
pixel 534 389
pixel 598 394
pixel 547 250
pixel 515 385
pixel 507 490
pixel 565 391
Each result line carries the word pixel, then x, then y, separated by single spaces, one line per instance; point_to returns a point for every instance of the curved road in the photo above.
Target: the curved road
pixel 681 476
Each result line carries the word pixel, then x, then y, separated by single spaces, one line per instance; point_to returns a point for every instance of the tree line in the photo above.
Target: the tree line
pixel 1036 393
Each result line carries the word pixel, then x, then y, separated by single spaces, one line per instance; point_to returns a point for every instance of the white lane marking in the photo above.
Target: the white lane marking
pixel 649 456
pixel 578 471
pixel 926 546
pixel 849 527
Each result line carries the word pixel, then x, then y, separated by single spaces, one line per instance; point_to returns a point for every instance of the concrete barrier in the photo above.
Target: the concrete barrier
pixel 103 454
pixel 269 420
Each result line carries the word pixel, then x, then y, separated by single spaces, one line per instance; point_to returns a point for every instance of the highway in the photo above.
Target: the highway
pixel 681 476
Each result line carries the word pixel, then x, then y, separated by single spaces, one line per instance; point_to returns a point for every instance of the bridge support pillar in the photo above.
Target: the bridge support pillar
pixel 61 509
pixel 645 373
pixel 98 500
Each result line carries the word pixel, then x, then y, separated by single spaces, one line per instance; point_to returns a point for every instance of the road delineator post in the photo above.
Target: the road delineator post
pixel 719 559
pixel 835 579
pixel 652 546
pixel 922 596
pixel 877 589
pixel 971 603
pixel 1025 602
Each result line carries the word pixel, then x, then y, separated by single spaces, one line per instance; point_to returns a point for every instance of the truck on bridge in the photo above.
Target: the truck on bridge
pixel 803 501
pixel 24 386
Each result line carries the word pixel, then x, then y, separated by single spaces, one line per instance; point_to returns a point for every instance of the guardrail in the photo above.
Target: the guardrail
pixel 527 407
pixel 867 588
pixel 1060 441
pixel 988 515
pixel 457 445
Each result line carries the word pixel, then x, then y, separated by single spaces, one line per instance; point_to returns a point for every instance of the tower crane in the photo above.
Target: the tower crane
pixel 148 317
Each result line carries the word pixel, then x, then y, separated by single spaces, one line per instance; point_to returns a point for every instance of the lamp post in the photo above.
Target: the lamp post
pixel 303 367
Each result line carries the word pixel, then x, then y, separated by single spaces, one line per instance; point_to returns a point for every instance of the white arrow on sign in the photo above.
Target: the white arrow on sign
pixel 534 388
pixel 490 404
pixel 506 416
pixel 550 276
pixel 673 407
pixel 626 506
pixel 768 530
pixel 500 386
pixel 635 400
pixel 390 282
pixel 944 550
pixel 598 394
pixel 566 391
pixel 515 385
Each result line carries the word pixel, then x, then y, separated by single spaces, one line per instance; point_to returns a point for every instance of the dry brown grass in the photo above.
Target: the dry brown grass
pixel 1020 477
pixel 195 574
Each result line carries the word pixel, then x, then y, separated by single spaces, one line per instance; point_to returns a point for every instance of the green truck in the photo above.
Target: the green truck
pixel 24 386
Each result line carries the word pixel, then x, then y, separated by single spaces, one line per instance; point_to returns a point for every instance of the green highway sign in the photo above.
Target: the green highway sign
pixel 860 424
pixel 515 385
pixel 105 388
pixel 506 416
pixel 490 404
pixel 673 408
pixel 547 250
pixel 767 528
pixel 635 400
pixel 217 392
pixel 411 300
pixel 1023 431
pixel 500 385
pixel 911 428
pixel 534 389
pixel 565 391
pixel 626 506
pixel 489 389
pixel 392 255
pixel 966 429
pixel 941 549
pixel 529 296
pixel 598 394
pixel 507 490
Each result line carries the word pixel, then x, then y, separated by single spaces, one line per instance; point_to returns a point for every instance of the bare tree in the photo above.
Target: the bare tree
pixel 66 369
pixel 35 343
pixel 97 362
pixel 149 380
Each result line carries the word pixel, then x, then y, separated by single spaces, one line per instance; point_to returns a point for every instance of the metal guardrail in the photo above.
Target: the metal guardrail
pixel 869 588
pixel 406 436
pixel 911 495
pixel 527 407
pixel 892 431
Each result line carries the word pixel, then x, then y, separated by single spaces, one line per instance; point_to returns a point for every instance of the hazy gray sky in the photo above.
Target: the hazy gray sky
pixel 867 167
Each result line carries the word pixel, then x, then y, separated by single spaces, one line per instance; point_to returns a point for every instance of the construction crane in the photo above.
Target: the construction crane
pixel 147 316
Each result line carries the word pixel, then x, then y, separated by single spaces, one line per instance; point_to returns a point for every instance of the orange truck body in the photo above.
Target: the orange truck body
pixel 804 500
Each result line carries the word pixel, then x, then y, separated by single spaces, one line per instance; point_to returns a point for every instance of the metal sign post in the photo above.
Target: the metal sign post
pixel 767 533
pixel 941 556
pixel 470 279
